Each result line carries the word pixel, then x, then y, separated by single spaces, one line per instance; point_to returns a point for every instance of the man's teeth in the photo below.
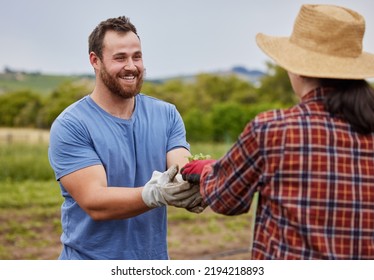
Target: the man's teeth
pixel 128 77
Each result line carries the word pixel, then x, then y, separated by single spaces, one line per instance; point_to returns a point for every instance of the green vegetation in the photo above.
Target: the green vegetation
pixel 30 203
pixel 29 219
pixel 21 162
pixel 218 106
pixel 199 156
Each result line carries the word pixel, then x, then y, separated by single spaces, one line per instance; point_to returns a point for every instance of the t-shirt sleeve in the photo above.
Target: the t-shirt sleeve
pixel 70 148
pixel 177 132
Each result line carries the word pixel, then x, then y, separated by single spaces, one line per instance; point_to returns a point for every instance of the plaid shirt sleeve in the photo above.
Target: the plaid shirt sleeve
pixel 232 181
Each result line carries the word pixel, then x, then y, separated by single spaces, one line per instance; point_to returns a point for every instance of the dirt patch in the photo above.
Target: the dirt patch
pixel 26 235
pixel 209 236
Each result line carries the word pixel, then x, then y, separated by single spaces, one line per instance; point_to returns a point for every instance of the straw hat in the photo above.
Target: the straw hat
pixel 326 42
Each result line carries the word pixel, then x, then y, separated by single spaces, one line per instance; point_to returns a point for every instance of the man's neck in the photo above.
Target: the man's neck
pixel 113 104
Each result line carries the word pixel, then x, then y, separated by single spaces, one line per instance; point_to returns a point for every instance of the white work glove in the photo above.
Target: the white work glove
pixel 197 205
pixel 168 188
pixel 193 203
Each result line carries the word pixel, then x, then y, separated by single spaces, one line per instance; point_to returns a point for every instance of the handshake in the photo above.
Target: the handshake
pixel 169 188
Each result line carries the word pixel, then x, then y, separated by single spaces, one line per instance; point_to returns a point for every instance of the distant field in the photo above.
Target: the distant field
pixel 23 135
pixel 42 84
pixel 40 136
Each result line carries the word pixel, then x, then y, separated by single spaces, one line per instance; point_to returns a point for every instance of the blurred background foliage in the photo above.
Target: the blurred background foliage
pixel 214 108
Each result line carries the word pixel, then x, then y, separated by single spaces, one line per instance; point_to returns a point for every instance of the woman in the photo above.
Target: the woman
pixel 312 164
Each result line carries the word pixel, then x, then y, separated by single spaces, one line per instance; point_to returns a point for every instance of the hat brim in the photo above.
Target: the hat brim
pixel 312 64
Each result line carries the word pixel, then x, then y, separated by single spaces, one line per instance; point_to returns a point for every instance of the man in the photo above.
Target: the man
pixel 105 147
pixel 313 164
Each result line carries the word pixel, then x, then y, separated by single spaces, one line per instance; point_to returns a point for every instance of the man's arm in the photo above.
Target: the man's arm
pixel 177 156
pixel 88 186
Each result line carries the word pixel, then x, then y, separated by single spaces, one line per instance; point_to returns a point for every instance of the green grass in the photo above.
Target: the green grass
pixel 29 219
pixel 215 150
pixel 33 195
pixel 30 202
pixel 24 162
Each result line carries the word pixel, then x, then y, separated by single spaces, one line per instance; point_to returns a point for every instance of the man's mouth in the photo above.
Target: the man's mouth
pixel 128 77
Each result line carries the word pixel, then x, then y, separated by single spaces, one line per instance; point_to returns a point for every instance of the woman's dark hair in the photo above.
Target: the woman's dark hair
pixel 96 38
pixel 353 100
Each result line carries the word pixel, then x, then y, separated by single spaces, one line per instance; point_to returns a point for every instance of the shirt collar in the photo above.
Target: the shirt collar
pixel 316 94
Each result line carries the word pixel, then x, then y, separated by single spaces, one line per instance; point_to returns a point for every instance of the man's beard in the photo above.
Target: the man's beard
pixel 115 86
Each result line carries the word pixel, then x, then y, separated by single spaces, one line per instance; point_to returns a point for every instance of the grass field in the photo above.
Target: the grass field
pixel 30 212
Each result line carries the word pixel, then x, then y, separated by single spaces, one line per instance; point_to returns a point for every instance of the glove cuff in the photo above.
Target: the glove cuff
pixel 152 197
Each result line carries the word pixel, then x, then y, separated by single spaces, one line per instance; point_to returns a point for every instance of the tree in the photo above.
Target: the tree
pixel 228 121
pixel 19 108
pixel 198 125
pixel 276 86
pixel 212 89
pixel 63 96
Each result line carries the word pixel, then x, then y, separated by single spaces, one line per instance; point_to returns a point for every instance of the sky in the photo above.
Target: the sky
pixel 178 37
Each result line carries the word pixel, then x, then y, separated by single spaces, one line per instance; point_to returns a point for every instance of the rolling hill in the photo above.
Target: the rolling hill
pixel 46 83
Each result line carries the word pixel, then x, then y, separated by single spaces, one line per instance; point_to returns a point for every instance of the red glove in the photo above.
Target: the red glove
pixel 191 171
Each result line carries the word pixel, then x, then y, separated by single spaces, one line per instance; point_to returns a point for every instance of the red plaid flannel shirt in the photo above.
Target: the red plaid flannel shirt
pixel 315 177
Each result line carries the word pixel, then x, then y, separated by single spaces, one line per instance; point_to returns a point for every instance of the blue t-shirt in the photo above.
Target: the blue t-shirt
pixel 130 150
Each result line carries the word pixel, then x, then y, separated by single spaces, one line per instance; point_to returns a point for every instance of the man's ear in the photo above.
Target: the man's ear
pixel 95 61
